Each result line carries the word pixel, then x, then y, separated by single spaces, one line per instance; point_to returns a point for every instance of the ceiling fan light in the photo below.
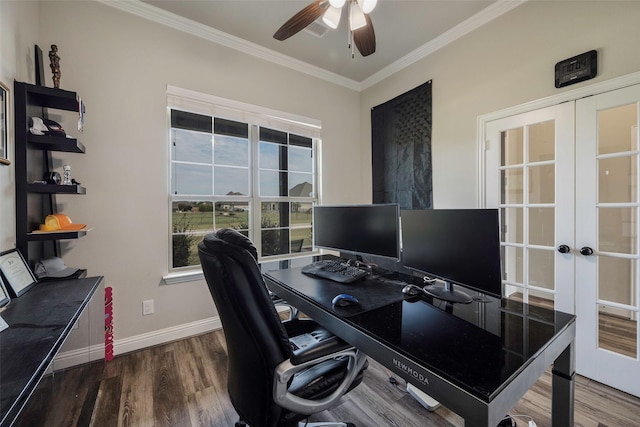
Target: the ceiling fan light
pixel 332 17
pixel 337 3
pixel 367 5
pixel 356 17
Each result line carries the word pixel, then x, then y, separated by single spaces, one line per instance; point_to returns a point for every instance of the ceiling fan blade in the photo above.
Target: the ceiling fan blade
pixel 365 38
pixel 301 20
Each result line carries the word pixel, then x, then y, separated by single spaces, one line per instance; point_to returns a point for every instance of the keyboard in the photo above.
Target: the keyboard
pixel 335 270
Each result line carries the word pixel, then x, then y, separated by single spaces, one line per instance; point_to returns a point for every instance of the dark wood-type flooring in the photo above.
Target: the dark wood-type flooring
pixel 182 384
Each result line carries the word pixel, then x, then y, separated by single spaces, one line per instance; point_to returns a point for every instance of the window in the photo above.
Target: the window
pixel 250 170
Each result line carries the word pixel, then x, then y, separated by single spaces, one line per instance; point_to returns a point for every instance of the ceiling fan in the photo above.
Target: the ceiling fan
pixel 361 31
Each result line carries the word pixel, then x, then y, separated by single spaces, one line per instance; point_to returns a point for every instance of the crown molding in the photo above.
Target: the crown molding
pixel 497 9
pixel 152 13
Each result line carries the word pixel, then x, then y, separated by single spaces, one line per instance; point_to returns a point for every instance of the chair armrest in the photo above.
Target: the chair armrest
pixel 324 342
pixel 317 350
pixel 286 370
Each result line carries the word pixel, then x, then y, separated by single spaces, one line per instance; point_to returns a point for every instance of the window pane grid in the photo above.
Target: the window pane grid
pixel 215 170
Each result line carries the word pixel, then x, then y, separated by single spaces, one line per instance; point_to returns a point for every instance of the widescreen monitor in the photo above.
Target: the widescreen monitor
pixel 358 229
pixel 457 246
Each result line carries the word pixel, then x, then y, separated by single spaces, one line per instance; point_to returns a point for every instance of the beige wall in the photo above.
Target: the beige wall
pixel 508 62
pixel 17 37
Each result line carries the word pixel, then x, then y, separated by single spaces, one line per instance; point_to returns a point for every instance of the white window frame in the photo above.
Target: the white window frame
pixel 199 103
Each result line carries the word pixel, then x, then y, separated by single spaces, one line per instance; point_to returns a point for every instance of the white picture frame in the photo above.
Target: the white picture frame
pixel 18 276
pixel 4 124
pixel 4 295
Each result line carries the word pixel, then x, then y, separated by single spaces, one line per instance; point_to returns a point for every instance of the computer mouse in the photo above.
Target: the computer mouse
pixel 412 290
pixel 344 300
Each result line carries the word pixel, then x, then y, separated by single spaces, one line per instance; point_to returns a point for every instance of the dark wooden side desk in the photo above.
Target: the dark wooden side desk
pixel 477 359
pixel 39 322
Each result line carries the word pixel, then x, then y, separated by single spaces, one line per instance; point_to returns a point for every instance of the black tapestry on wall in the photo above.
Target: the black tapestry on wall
pixel 401 150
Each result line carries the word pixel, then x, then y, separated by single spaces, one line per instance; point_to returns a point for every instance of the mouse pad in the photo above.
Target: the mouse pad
pixel 371 292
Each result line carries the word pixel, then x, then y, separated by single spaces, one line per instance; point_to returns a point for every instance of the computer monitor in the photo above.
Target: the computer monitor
pixel 457 246
pixel 358 229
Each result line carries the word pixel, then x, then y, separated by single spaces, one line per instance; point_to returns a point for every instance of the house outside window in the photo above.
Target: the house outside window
pixel 238 166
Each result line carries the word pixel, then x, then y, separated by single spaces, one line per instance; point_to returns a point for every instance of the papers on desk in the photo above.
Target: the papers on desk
pixel 3 324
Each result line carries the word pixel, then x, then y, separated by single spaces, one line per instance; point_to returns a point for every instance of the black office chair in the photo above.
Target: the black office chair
pixel 270 382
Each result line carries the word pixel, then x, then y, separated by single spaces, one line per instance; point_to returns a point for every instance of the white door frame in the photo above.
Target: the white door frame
pixel 571 95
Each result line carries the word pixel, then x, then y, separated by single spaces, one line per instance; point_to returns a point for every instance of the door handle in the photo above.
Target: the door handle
pixel 564 249
pixel 586 250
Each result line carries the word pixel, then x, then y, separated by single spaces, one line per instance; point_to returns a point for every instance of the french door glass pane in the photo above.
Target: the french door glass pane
pixel 512 186
pixel 617 230
pixel 542 184
pixel 512 265
pixel 617 279
pixel 512 225
pixel 512 147
pixel 617 178
pixel 541 268
pixel 541 299
pixel 618 330
pixel 617 129
pixel 542 226
pixel 542 141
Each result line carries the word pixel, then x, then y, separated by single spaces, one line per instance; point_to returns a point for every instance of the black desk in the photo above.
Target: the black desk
pixel 477 359
pixel 39 322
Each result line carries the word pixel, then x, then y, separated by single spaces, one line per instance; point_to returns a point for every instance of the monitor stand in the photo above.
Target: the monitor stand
pixel 447 293
pixel 422 398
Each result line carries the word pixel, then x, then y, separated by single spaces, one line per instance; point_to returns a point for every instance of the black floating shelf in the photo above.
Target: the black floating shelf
pixel 56 189
pixel 55 235
pixel 56 143
pixel 51 97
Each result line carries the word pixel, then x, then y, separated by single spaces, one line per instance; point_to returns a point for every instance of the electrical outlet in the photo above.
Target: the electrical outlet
pixel 147 307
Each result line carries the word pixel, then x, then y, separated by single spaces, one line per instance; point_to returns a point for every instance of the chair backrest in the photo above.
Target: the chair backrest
pixel 256 340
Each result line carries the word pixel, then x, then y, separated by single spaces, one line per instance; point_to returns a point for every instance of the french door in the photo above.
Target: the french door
pixel 566 181
pixel 529 164
pixel 607 270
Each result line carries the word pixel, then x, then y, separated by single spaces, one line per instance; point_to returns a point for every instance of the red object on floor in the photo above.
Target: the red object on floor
pixel 108 323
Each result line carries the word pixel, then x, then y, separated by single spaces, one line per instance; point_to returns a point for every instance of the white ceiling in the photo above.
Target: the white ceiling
pixel 406 30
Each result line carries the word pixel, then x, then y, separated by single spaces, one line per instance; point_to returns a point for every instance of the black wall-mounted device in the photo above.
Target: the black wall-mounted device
pixel 577 69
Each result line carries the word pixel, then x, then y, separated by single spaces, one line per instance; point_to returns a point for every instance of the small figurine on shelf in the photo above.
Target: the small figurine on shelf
pixel 66 177
pixel 55 65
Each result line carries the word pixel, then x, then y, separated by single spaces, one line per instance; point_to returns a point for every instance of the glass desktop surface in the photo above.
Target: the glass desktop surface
pixel 477 346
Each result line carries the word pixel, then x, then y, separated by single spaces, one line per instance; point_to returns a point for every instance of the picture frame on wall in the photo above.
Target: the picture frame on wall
pixel 4 124
pixel 4 295
pixel 16 272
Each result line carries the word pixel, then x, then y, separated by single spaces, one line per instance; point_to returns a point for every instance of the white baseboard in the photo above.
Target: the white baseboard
pixel 163 336
pixel 71 358
pixel 82 355
pixel 76 357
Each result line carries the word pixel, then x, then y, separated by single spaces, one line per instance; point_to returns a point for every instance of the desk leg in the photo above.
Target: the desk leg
pixel 563 388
